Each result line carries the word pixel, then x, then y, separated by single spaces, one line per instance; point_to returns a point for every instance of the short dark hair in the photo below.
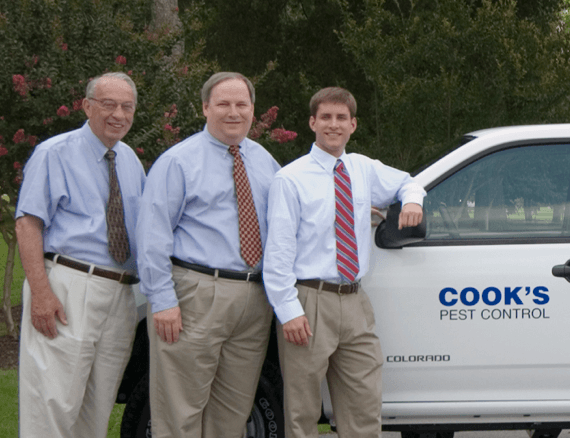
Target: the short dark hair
pixel 333 95
pixel 216 78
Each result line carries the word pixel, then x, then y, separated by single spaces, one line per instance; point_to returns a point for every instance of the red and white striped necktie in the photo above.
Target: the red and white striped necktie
pixel 346 249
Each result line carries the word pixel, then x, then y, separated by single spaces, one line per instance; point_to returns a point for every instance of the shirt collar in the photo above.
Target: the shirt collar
pixel 218 143
pixel 96 145
pixel 326 160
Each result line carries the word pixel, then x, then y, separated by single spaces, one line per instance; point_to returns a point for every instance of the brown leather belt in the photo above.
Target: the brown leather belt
pixel 222 273
pixel 121 277
pixel 341 289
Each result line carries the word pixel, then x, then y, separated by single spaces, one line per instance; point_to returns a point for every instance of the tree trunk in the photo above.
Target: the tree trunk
pixel 8 275
pixel 165 14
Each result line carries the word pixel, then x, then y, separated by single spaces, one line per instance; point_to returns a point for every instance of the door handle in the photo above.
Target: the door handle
pixel 562 271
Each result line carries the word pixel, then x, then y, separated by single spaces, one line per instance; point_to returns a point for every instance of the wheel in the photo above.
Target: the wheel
pixel 136 417
pixel 265 420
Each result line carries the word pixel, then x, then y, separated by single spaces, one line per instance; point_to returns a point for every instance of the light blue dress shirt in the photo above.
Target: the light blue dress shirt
pixel 301 244
pixel 189 211
pixel 66 185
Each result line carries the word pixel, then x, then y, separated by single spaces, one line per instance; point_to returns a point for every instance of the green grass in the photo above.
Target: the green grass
pixel 17 280
pixel 9 408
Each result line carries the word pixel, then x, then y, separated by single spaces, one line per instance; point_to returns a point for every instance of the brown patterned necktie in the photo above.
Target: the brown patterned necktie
pixel 249 237
pixel 116 230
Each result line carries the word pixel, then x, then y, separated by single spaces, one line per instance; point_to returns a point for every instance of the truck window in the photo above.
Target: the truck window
pixel 521 194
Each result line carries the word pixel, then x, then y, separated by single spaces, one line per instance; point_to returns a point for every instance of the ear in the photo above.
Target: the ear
pixel 87 107
pixel 312 121
pixel 353 123
pixel 205 109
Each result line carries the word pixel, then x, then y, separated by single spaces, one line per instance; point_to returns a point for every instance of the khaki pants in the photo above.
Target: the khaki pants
pixel 68 385
pixel 345 350
pixel 204 384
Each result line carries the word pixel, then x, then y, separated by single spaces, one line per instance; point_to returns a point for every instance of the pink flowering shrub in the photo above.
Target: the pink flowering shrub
pixel 262 133
pixel 45 69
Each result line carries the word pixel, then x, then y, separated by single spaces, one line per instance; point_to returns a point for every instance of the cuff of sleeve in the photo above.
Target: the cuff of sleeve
pixel 162 300
pixel 413 199
pixel 288 311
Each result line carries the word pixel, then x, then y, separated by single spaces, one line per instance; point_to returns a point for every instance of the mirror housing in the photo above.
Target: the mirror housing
pixel 388 236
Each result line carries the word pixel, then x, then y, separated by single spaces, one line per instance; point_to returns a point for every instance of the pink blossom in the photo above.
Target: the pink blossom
pixel 20 85
pixel 63 111
pixel 270 116
pixel 48 121
pixel 48 83
pixel 64 47
pixel 17 165
pixel 18 180
pixel 78 104
pixel 32 139
pixel 3 151
pixel 140 151
pixel 283 136
pixel 130 72
pixel 121 60
pixel 167 127
pixel 19 136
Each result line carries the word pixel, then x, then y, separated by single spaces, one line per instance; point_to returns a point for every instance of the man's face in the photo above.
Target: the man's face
pixel 229 112
pixel 332 126
pixel 110 126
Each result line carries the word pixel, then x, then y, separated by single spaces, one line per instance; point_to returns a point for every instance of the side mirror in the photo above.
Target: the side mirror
pixel 388 236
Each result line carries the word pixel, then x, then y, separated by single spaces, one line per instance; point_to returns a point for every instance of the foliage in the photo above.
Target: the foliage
pixel 440 69
pixel 51 48
pixel 272 139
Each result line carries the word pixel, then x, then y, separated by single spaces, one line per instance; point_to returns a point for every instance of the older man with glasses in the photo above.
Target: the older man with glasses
pixel 75 224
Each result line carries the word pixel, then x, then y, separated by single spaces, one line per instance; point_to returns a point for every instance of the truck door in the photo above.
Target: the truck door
pixel 472 316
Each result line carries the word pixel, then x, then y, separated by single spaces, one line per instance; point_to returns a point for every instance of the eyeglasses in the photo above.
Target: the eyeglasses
pixel 111 105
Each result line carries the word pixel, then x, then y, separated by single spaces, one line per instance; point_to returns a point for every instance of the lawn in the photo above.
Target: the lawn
pixel 9 408
pixel 9 378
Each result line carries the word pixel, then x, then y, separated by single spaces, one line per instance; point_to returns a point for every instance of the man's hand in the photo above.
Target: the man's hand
pixel 410 216
pixel 297 331
pixel 168 324
pixel 45 308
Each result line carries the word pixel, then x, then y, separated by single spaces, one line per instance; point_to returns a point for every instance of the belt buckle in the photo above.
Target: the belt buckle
pixel 122 279
pixel 339 290
pixel 248 275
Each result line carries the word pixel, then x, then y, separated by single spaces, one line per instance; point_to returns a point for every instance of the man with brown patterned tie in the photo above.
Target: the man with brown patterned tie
pixel 200 237
pixel 317 250
pixel 75 224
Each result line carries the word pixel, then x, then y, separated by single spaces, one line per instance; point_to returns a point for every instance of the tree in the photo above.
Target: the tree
pixel 51 49
pixel 443 68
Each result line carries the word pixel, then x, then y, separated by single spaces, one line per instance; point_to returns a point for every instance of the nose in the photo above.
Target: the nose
pixel 119 112
pixel 234 111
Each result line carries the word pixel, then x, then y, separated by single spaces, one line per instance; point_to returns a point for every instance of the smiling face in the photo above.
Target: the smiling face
pixel 332 126
pixel 229 112
pixel 110 126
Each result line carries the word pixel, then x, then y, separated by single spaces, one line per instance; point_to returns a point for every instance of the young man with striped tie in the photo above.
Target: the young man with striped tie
pixel 317 250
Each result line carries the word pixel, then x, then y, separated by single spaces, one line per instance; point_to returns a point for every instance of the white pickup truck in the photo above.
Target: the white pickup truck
pixel 472 308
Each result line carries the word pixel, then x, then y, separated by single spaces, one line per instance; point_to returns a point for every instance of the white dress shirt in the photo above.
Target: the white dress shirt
pixel 301 240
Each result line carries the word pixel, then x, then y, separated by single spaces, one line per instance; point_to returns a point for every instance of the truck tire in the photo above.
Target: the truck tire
pixel 265 421
pixel 136 416
pixel 266 418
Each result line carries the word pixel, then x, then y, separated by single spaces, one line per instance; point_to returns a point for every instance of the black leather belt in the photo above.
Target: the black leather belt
pixel 341 289
pixel 222 273
pixel 121 277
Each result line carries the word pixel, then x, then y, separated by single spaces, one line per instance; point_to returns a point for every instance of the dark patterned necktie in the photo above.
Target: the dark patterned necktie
pixel 116 230
pixel 249 237
pixel 346 249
